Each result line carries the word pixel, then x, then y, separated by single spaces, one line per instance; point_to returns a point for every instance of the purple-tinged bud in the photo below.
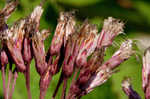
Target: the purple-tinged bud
pixel 88 46
pixel 146 73
pixel 27 55
pixel 64 28
pixel 105 71
pixel 39 50
pixel 3 58
pixel 128 90
pixel 111 28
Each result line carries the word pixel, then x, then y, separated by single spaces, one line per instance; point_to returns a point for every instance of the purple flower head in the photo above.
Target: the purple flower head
pixel 128 90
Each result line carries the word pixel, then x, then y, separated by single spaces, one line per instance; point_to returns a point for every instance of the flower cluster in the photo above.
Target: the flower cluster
pixel 74 49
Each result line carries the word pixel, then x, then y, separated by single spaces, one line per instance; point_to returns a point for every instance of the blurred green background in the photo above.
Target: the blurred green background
pixel 135 14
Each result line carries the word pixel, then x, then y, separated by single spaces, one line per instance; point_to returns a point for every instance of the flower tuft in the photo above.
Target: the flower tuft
pixel 112 25
pixel 111 28
pixel 126 50
pixel 36 14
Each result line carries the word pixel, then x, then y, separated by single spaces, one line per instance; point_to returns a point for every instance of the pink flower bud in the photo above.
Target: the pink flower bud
pixel 27 55
pixel 3 58
pixel 146 73
pixel 128 90
pixel 111 28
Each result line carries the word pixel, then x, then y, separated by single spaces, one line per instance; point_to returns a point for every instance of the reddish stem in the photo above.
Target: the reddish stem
pixel 27 77
pixel 58 85
pixel 70 96
pixel 44 83
pixel 64 88
pixel 4 82
pixel 74 76
pixel 9 80
pixel 13 85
